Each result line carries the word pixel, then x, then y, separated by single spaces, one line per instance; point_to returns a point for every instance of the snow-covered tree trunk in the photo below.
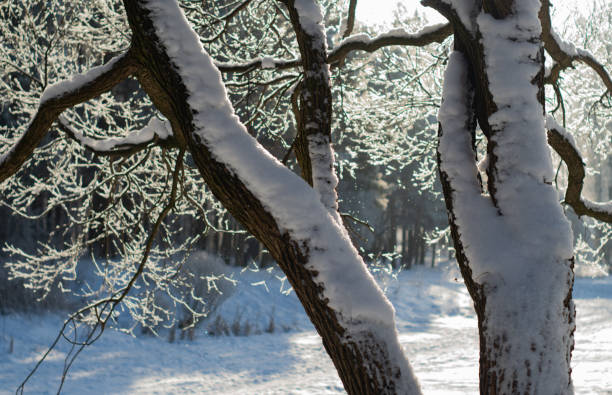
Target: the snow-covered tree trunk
pixel 298 224
pixel 512 240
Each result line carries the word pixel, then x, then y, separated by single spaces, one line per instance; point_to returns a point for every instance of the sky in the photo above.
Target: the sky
pixel 381 11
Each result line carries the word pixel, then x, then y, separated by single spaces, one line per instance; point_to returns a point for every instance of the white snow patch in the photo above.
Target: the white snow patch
pixel 435 317
pixel 311 17
pixel 551 123
pixel 267 62
pixel 465 9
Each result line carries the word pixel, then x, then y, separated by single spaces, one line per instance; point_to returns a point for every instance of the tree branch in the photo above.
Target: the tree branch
pixel 259 63
pixel 564 145
pixel 565 53
pixel 125 146
pixel 359 42
pixel 58 97
pixel 350 19
pixel 362 42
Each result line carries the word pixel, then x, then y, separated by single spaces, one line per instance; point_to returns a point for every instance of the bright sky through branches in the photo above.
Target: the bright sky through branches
pixel 380 12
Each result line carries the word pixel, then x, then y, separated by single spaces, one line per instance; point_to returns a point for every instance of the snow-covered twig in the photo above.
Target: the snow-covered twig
pixel 156 132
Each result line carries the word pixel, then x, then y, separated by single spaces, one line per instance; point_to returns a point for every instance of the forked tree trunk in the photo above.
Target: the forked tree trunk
pixel 518 270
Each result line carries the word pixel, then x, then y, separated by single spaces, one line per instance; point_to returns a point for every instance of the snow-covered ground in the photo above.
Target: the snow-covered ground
pixel 436 323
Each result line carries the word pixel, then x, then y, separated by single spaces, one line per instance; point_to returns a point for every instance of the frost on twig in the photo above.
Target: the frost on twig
pixel 58 98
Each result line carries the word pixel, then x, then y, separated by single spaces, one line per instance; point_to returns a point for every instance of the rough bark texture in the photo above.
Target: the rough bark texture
pixel 315 98
pixel 493 346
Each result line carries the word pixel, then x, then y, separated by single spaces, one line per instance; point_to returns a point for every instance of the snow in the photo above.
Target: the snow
pixel 465 10
pixel 435 318
pixel 156 127
pixel 598 206
pixel 393 33
pixel 310 14
pixel 324 179
pixel 267 62
pixel 520 247
pixel 77 81
pixel 295 206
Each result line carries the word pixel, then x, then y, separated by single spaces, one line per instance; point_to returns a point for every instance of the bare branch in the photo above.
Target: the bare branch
pixel 59 97
pixel 350 19
pixel 564 145
pixel 259 63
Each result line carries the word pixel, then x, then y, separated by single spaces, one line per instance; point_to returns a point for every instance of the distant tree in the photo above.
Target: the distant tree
pixel 512 241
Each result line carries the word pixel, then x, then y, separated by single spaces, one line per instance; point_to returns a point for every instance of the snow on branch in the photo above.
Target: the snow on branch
pixel 156 132
pixel 57 98
pixel 461 13
pixel 565 54
pixel 563 143
pixel 363 42
pixel 295 206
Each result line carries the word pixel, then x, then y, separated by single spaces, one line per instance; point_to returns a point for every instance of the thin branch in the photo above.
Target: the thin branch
pixel 359 42
pixel 350 19
pixel 59 97
pixel 259 63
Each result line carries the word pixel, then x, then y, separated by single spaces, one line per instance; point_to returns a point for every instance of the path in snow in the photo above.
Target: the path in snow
pixel 436 323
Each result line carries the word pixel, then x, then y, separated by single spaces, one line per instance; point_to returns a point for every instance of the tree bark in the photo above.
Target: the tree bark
pixel 512 358
pixel 364 360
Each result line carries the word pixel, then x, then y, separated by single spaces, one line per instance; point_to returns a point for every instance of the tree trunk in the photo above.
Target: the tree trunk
pixel 522 294
pixel 366 353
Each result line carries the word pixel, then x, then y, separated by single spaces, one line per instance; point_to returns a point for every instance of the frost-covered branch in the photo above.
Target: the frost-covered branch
pixel 57 98
pixel 563 143
pixel 99 313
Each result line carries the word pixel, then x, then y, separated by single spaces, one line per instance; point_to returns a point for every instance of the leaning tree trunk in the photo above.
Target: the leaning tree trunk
pixel 356 324
pixel 512 241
